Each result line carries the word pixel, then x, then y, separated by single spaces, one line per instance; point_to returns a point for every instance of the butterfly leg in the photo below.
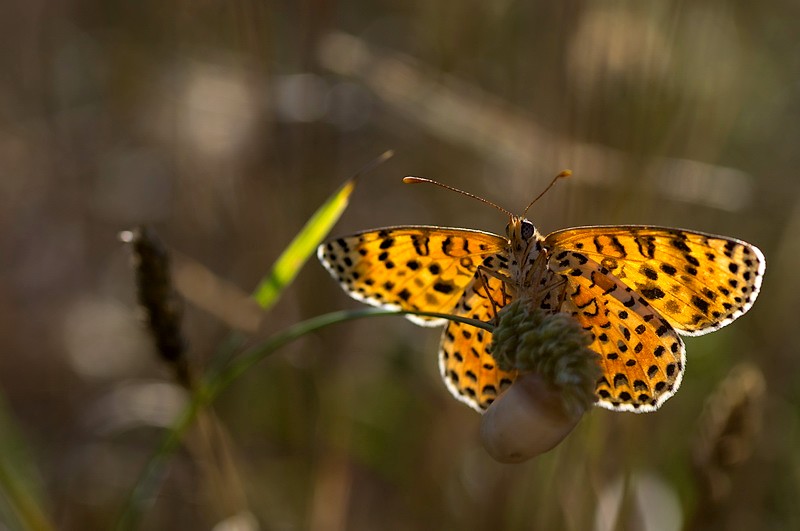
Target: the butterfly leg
pixel 483 274
pixel 557 287
pixel 485 285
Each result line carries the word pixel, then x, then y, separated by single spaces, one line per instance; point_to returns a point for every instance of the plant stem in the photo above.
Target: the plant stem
pixel 217 381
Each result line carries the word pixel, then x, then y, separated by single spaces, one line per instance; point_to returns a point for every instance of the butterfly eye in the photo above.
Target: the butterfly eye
pixel 527 230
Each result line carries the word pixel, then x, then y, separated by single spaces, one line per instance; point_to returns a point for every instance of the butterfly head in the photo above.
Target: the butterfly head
pixel 521 233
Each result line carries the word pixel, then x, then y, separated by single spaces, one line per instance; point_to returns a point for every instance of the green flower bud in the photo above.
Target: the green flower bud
pixel 552 345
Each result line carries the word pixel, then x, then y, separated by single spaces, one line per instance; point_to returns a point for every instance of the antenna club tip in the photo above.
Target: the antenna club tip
pixel 564 174
pixel 410 179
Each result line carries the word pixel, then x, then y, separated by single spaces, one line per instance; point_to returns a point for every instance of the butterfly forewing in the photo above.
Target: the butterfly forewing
pixel 409 268
pixel 698 282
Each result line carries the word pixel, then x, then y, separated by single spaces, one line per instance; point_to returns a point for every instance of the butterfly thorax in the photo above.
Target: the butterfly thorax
pixel 525 249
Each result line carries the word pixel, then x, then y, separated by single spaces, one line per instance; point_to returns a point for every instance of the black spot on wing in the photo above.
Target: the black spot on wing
pixel 700 304
pixel 668 269
pixel 444 287
pixel 653 292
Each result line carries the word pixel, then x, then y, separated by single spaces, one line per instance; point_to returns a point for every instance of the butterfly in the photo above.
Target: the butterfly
pixel 634 288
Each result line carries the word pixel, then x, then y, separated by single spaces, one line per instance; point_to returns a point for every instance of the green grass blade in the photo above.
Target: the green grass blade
pixel 18 481
pixel 305 243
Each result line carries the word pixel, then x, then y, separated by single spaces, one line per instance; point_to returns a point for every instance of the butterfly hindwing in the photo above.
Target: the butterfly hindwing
pixel 410 268
pixel 698 282
pixel 641 356
pixel 468 369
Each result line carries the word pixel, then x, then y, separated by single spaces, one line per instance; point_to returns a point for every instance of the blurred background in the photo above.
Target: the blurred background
pixel 224 125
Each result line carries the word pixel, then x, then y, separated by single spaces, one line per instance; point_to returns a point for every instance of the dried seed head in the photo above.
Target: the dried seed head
pixel 727 430
pixel 163 309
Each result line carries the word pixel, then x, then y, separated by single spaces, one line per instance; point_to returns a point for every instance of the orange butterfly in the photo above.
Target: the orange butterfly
pixel 633 288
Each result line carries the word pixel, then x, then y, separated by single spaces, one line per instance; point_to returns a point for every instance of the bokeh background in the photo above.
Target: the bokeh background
pixel 225 124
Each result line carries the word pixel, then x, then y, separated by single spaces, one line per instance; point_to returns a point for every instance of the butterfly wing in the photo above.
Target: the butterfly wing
pixel 468 370
pixel 467 367
pixel 409 268
pixel 641 356
pixel 698 282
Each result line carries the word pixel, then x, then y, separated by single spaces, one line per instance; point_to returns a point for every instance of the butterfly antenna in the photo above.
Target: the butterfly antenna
pixel 417 180
pixel 564 174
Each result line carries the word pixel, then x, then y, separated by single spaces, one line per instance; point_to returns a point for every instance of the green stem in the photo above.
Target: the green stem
pixel 217 381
